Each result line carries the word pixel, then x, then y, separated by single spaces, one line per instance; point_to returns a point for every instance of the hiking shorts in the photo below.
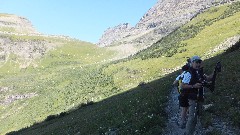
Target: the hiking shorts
pixel 183 101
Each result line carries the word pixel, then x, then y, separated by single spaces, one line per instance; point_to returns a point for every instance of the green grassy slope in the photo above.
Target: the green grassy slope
pixel 75 53
pixel 66 77
pixel 97 98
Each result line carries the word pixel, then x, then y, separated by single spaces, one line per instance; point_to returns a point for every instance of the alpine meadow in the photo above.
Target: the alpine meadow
pixel 58 85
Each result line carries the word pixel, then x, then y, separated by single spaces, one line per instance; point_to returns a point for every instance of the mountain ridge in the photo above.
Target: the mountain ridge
pixel 160 20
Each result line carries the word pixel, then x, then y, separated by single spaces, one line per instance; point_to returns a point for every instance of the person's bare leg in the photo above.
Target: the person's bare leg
pixel 183 117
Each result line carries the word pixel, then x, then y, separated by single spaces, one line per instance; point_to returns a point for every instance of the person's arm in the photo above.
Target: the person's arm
pixel 176 81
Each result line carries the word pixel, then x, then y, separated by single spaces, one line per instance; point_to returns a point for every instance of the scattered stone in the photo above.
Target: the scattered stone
pixel 206 107
pixel 11 98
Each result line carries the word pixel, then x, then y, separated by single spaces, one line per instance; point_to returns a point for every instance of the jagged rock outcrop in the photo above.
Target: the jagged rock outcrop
pixel 163 18
pixel 119 32
pixel 23 52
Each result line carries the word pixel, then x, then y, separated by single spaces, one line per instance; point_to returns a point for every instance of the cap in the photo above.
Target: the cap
pixel 195 58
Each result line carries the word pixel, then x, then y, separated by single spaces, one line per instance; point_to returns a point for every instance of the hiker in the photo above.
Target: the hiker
pixel 191 84
pixel 183 101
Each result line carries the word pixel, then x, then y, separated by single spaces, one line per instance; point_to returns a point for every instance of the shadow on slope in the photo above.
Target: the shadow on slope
pixel 138 111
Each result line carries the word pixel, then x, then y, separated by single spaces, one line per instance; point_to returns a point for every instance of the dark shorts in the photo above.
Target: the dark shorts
pixel 183 101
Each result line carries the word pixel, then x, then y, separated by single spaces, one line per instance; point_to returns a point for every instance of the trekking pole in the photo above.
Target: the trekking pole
pixel 198 110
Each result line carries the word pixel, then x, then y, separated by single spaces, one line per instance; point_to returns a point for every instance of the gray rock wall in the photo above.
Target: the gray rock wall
pixel 160 20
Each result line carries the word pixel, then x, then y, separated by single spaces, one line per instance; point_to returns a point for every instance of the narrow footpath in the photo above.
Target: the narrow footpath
pixel 173 110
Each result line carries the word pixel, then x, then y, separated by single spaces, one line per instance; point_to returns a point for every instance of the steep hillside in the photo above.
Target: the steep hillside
pixel 163 18
pixel 127 96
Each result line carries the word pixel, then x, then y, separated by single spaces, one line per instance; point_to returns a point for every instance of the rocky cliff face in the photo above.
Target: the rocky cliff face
pixel 23 52
pixel 163 18
pixel 115 34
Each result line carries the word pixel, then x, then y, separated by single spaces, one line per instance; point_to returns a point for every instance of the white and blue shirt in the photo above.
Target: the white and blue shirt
pixel 181 75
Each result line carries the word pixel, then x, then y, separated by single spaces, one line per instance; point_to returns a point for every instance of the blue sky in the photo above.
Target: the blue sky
pixel 82 19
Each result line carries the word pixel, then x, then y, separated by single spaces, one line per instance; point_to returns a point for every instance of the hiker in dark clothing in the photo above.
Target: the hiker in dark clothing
pixel 191 85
